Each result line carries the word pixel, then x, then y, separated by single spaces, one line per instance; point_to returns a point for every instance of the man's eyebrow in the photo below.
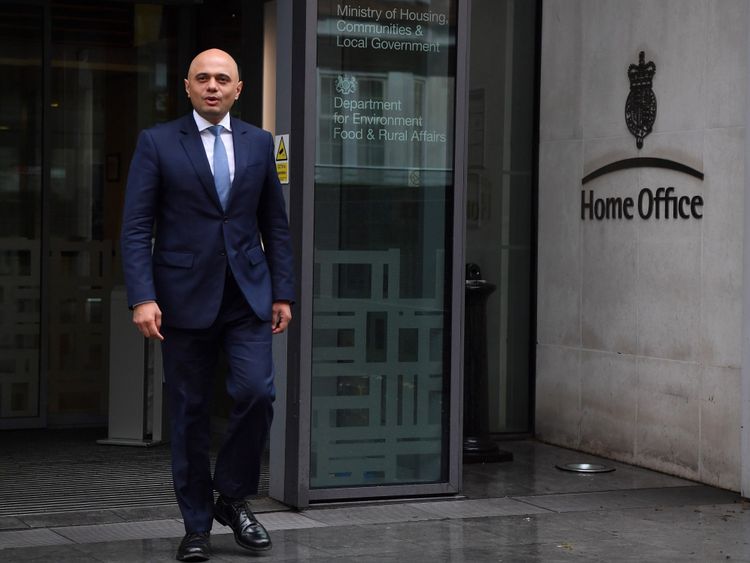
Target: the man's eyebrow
pixel 218 74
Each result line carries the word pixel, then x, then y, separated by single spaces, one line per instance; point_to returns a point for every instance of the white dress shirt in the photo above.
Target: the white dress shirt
pixel 209 139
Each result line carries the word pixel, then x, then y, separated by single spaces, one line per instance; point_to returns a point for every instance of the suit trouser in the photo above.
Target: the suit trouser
pixel 190 359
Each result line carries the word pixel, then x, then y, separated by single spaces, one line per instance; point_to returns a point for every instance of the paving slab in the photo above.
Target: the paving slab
pixel 638 498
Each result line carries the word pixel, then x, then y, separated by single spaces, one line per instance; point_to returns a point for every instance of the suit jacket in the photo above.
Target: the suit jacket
pixel 170 188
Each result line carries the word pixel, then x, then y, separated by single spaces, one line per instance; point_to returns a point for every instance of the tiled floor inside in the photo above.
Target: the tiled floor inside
pixel 525 510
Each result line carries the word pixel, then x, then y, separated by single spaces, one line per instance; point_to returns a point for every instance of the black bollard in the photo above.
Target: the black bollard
pixel 478 446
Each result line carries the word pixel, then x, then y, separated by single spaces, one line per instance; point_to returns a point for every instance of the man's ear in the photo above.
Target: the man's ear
pixel 239 89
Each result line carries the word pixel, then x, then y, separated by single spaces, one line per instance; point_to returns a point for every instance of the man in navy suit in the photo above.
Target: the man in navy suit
pixel 217 276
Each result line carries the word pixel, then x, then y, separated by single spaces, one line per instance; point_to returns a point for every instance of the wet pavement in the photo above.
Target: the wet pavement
pixel 522 511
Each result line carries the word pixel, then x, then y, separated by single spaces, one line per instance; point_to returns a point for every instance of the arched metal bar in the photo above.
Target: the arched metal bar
pixel 641 162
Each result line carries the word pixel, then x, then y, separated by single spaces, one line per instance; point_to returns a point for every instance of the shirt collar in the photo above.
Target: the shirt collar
pixel 204 124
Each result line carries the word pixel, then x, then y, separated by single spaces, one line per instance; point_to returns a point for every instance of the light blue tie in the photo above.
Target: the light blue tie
pixel 221 166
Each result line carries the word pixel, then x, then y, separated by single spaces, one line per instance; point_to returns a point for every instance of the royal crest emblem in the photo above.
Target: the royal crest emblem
pixel 640 107
pixel 346 84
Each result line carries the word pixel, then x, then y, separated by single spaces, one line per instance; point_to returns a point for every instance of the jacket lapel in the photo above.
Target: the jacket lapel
pixel 193 144
pixel 241 153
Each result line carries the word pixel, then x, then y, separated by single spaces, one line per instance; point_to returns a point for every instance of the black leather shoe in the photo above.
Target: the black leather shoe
pixel 248 532
pixel 195 547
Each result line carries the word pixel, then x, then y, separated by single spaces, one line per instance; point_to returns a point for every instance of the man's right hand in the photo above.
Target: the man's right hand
pixel 147 317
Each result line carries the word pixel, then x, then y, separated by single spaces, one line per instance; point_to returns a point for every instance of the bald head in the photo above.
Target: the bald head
pixel 214 56
pixel 213 84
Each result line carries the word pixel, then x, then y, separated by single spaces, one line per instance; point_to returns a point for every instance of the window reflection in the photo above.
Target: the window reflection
pixel 112 69
pixel 499 195
pixel 113 73
pixel 20 210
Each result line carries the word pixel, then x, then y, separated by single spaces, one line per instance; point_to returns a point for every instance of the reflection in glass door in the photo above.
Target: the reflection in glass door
pixel 108 79
pixel 500 195
pixel 81 79
pixel 20 213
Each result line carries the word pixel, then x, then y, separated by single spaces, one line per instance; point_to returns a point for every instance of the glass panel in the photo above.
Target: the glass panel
pixel 114 71
pixel 20 208
pixel 383 193
pixel 499 196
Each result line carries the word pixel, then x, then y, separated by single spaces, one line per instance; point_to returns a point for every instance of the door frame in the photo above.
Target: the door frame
pixel 296 113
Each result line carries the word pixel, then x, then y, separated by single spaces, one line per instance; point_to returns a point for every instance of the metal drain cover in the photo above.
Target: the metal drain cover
pixel 585 468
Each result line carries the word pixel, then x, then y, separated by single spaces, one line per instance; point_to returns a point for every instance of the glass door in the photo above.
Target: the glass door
pixel 113 72
pixel 382 299
pixel 21 44
pixel 82 78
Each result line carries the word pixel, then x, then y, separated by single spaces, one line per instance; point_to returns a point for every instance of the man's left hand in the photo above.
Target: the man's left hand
pixel 281 316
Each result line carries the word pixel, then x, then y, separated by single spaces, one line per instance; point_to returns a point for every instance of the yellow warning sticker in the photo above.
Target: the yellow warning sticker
pixel 281 151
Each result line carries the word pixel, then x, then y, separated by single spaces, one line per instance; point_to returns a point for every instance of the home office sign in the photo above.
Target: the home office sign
pixel 664 202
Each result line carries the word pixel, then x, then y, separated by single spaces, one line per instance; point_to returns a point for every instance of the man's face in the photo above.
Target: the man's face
pixel 213 84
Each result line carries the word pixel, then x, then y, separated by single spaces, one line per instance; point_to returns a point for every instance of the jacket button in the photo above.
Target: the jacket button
pixel 226 219
pixel 222 253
